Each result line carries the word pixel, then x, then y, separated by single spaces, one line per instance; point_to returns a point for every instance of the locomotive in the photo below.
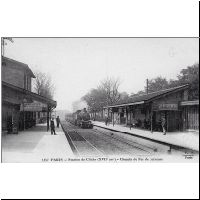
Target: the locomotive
pixel 80 118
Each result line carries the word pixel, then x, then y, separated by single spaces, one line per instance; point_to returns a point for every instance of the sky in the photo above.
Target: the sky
pixel 76 65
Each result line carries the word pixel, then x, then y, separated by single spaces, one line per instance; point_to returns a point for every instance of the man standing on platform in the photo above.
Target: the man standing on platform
pixel 57 121
pixel 163 124
pixel 53 127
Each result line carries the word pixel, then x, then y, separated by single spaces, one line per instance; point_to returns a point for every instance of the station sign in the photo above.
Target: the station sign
pixel 33 107
pixel 166 106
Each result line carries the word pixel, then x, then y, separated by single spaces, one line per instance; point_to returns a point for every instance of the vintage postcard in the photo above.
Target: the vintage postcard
pixel 100 100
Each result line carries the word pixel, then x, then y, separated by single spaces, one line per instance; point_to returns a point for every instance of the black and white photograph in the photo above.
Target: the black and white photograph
pixel 100 99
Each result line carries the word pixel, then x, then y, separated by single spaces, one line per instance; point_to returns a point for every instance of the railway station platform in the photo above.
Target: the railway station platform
pixel 35 145
pixel 188 140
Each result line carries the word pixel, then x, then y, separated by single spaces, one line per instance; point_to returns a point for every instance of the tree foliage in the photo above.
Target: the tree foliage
pixel 95 99
pixel 156 84
pixel 42 85
pixel 141 92
pixel 189 75
pixel 110 88
pixel 107 93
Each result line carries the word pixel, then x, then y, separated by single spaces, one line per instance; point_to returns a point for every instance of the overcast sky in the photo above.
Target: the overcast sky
pixel 78 64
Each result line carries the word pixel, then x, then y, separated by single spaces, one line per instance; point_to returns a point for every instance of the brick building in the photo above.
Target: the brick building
pixel 20 106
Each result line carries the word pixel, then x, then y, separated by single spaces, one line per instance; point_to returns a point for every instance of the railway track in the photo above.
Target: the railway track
pixel 131 143
pixel 80 145
pixel 92 142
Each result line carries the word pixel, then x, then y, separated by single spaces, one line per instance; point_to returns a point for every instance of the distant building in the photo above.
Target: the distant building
pixel 20 106
pixel 60 113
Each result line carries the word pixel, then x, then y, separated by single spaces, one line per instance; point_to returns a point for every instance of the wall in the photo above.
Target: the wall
pixel 174 121
pixel 190 117
pixel 10 114
pixel 11 95
pixel 6 113
pixel 14 74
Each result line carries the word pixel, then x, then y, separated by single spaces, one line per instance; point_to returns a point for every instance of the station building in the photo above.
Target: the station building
pixel 21 108
pixel 147 110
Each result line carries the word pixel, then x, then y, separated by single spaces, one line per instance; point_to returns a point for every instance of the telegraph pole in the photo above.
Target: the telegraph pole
pixel 147 82
pixel 2 46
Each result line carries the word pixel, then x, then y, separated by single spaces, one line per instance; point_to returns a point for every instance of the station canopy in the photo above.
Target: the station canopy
pixel 141 99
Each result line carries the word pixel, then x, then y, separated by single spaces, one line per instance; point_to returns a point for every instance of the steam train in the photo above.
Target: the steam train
pixel 80 118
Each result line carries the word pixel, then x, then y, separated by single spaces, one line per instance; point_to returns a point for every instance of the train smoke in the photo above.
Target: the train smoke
pixel 79 105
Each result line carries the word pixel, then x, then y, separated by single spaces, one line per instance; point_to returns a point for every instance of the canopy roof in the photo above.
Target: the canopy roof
pixel 29 94
pixel 140 99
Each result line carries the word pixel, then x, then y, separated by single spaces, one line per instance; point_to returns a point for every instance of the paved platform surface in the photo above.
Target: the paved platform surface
pixel 184 139
pixel 35 145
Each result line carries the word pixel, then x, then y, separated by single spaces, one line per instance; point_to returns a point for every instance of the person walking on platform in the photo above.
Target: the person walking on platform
pixel 58 121
pixel 53 127
pixel 163 124
pixel 106 121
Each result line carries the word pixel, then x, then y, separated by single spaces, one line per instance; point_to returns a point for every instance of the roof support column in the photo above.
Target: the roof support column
pixel 151 114
pixel 130 118
pixel 127 109
pixel 112 114
pixel 48 108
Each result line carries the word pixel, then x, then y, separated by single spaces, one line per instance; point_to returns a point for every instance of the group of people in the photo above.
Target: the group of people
pixel 159 126
pixel 52 125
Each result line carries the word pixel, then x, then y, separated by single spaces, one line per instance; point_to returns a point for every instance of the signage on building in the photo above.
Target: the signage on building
pixel 32 107
pixel 166 106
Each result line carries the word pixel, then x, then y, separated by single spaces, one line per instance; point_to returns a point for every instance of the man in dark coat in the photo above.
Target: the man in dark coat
pixel 57 121
pixel 52 127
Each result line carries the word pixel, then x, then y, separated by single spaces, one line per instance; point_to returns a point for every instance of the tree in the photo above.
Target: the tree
pixel 95 99
pixel 190 75
pixel 141 92
pixel 106 93
pixel 42 85
pixel 124 96
pixel 158 83
pixel 110 88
